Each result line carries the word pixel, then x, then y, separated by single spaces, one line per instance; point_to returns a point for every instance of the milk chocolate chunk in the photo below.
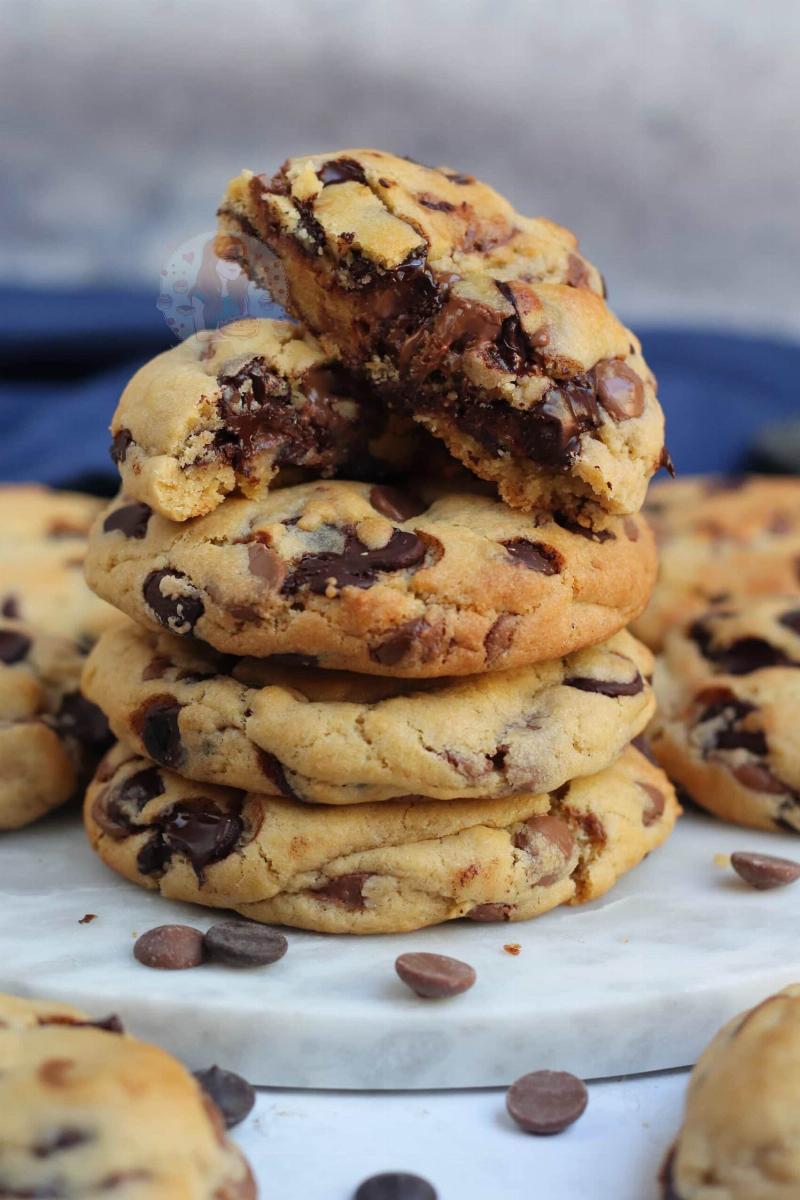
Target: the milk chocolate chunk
pixel 547 1102
pixel 764 871
pixel 346 890
pixel 170 948
pixel 435 976
pixel 619 389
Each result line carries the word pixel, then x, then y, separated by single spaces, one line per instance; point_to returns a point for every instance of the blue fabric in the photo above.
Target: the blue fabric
pixel 66 355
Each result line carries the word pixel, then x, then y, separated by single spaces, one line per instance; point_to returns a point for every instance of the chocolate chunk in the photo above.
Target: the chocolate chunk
pixel 265 564
pixel 546 1102
pixel 607 687
pixel 200 830
pixel 115 810
pixel 420 635
pixel 177 605
pixel 577 272
pixel 347 890
pixel 275 772
pixel 395 504
pixel 764 871
pixel 499 639
pixel 120 444
pixel 428 201
pixel 156 668
pixel 131 520
pixel 10 608
pixel 13 646
pixel 791 620
pixel 642 743
pixel 341 170
pixel 64 1137
pixel 553 830
pixel 170 948
pixel 489 913
pixel 654 809
pixel 434 976
pixel 594 535
pixel 513 347
pixel 619 389
pixel 234 1097
pixel 77 717
pixel 243 944
pixel 536 556
pixel 156 722
pixel 395 1185
pixel 742 656
pixel 759 778
pixel 356 566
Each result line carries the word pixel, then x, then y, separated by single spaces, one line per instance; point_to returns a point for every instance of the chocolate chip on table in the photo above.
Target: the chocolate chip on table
pixel 170 948
pixel 764 871
pixel 131 520
pixel 13 646
pixel 233 1096
pixel 240 944
pixel 395 1185
pixel 546 1102
pixel 434 976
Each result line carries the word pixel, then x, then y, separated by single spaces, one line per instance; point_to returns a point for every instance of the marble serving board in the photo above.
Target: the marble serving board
pixel 638 981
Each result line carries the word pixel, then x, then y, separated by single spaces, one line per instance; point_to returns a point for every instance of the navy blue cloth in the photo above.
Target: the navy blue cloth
pixel 66 355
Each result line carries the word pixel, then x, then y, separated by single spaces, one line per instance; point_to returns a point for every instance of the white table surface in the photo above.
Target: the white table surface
pixel 321 1145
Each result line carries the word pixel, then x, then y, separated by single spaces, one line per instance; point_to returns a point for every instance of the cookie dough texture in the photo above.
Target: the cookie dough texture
pixel 740 1138
pixel 434 580
pixel 487 326
pixel 728 687
pixel 375 868
pixel 336 738
pixel 50 735
pixel 720 538
pixel 42 545
pixel 227 409
pixel 88 1111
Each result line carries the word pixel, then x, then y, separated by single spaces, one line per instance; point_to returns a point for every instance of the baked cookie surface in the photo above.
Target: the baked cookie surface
pixel 740 1138
pixel 728 688
pixel 87 1111
pixel 429 581
pixel 719 538
pixel 332 737
pixel 375 868
pixel 487 326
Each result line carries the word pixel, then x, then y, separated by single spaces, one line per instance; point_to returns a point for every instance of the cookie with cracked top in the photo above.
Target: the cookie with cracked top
pixel 740 1135
pixel 488 327
pixel 331 737
pixel 228 409
pixel 427 580
pixel 42 544
pixel 720 538
pixel 375 868
pixel 50 735
pixel 728 687
pixel 69 1087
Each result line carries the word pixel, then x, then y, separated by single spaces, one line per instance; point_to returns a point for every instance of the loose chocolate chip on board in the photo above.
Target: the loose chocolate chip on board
pixel 395 504
pixel 131 520
pixel 536 556
pixel 607 687
pixel 434 976
pixel 546 1102
pixel 13 646
pixel 173 600
pixel 764 871
pixel 241 944
pixel 170 948
pixel 234 1097
pixel 395 1185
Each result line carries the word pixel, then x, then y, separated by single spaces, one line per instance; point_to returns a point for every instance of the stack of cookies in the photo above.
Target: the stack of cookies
pixel 361 692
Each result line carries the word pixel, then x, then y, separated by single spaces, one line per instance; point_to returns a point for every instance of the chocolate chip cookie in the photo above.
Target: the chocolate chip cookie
pixel 376 868
pixel 42 544
pixel 86 1111
pixel 728 689
pixel 428 581
pixel 50 735
pixel 740 1138
pixel 488 327
pixel 334 738
pixel 719 538
pixel 228 409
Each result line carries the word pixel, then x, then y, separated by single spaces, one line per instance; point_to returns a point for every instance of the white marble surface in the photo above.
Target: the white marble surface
pixel 636 982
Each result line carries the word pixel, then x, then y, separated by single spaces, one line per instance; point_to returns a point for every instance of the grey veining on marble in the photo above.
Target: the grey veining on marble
pixel 638 981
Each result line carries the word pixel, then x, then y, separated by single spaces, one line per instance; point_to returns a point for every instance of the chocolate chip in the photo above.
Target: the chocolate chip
pixel 347 890
pixel 499 639
pixel 642 743
pixel 420 635
pixel 275 772
pixel 115 809
pixel 490 913
pixel 13 646
pixel 428 201
pixel 584 531
pixel 764 871
pixel 619 389
pixel 234 1097
pixel 791 620
pixel 577 272
pixel 198 829
pixel 119 446
pixel 10 608
pixel 654 809
pixel 536 556
pixel 265 564
pixel 434 976
pixel 356 566
pixel 546 1102
pixel 243 944
pixel 131 520
pixel 607 687
pixel 156 722
pixel 742 656
pixel 341 170
pixel 395 1185
pixel 759 778
pixel 553 830
pixel 156 668
pixel 170 948
pixel 395 504
pixel 77 717
pixel 65 1137
pixel 177 605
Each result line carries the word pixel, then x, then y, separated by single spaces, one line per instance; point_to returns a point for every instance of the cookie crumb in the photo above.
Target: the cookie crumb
pixel 87 918
pixel 512 948
pixel 722 860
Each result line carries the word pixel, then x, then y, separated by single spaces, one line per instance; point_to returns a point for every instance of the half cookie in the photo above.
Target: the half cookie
pixel 487 326
pixel 435 580
pixel 729 695
pixel 377 868
pixel 335 738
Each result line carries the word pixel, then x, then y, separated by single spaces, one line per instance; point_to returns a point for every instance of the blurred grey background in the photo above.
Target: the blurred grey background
pixel 665 132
